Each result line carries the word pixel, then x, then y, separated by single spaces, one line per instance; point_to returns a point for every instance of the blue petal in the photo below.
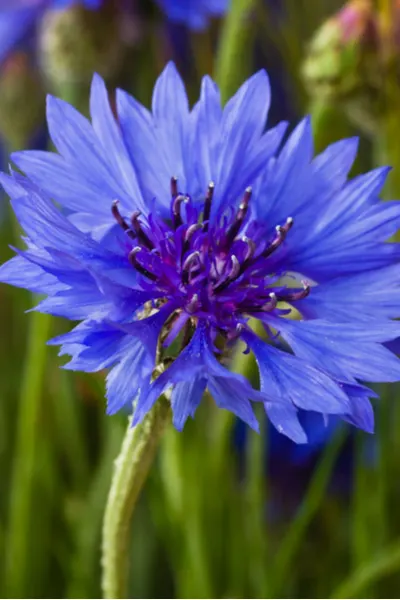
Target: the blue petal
pixel 22 273
pixel 196 364
pixel 185 399
pixel 349 351
pixel 357 298
pixel 284 418
pixel 287 378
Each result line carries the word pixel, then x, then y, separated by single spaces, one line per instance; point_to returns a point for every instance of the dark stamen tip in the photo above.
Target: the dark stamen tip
pixel 120 220
pixel 251 248
pixel 140 233
pixel 176 210
pixel 306 288
pixel 132 257
pixel 193 305
pixel 239 218
pixel 174 187
pixel 235 270
pixel 273 301
pixel 293 296
pixel 207 204
pixel 192 230
pixel 117 215
pixel 190 259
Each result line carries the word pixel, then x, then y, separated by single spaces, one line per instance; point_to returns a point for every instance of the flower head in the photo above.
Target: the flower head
pixel 193 13
pixel 183 226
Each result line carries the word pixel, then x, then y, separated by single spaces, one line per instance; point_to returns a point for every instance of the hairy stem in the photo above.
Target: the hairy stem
pixel 130 471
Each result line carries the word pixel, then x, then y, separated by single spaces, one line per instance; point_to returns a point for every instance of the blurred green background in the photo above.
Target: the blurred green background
pixel 225 513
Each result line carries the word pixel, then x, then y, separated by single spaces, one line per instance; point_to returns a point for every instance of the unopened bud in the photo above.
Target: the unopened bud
pixel 343 63
pixel 21 100
pixel 77 41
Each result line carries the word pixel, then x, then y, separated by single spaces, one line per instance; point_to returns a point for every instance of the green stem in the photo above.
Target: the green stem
pixel 130 471
pixel 311 502
pixel 28 431
pixel 369 573
pixel 256 500
pixel 83 580
pixel 235 50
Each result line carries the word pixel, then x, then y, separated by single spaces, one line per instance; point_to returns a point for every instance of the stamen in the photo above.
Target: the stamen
pixel 192 230
pixel 190 260
pixel 188 236
pixel 291 297
pixel 288 225
pixel 141 235
pixel 273 301
pixel 174 187
pixel 235 270
pixel 251 249
pixel 207 205
pixel 281 233
pixel 240 217
pixel 176 210
pixel 234 273
pixel 193 305
pixel 134 262
pixel 120 220
pixel 233 335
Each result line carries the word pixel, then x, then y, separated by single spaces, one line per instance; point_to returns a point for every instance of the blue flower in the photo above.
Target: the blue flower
pixel 175 229
pixel 193 13
pixel 19 17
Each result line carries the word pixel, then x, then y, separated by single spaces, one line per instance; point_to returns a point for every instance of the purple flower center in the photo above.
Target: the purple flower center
pixel 219 270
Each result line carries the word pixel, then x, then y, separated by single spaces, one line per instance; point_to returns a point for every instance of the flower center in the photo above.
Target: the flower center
pixel 218 269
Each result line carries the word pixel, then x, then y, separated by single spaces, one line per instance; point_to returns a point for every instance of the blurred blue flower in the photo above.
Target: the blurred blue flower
pixel 193 13
pixel 168 253
pixel 19 17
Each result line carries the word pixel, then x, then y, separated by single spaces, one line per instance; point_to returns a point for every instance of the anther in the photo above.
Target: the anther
pixel 174 187
pixel 273 301
pixel 141 235
pixel 207 204
pixel 235 270
pixel 132 256
pixel 192 230
pixel 193 305
pixel 281 233
pixel 176 210
pixel 233 335
pixel 288 225
pixel 189 261
pixel 292 297
pixel 234 274
pixel 240 217
pixel 120 220
pixel 251 248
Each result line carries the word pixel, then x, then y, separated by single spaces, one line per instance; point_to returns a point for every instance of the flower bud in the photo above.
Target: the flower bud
pixel 77 41
pixel 343 63
pixel 21 100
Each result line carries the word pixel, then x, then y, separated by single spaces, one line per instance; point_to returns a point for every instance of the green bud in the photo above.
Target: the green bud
pixel 21 100
pixel 343 62
pixel 76 41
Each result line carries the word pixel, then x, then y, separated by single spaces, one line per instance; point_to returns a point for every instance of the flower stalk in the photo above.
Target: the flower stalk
pixel 130 471
pixel 235 48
